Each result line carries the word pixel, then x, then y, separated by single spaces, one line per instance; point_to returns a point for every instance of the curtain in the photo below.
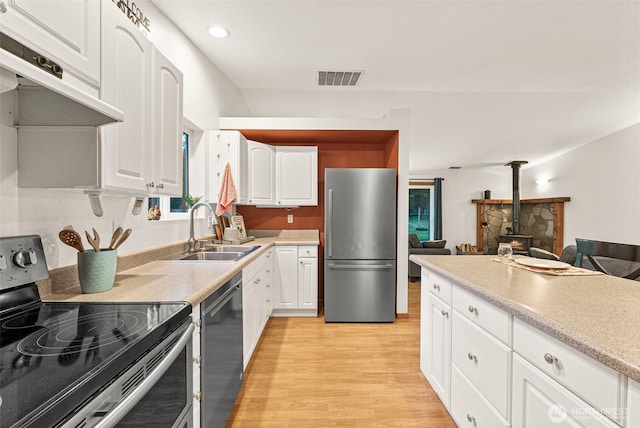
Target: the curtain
pixel 437 201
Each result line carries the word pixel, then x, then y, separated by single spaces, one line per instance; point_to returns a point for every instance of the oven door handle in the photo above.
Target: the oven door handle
pixel 129 402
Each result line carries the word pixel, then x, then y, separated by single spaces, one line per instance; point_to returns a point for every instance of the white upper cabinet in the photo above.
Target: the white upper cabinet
pixel 264 175
pixel 142 154
pixel 261 174
pixel 167 126
pixel 227 147
pixel 296 176
pixel 127 84
pixel 65 31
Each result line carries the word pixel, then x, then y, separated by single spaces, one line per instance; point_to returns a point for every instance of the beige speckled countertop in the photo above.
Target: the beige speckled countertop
pixel 598 315
pixel 172 280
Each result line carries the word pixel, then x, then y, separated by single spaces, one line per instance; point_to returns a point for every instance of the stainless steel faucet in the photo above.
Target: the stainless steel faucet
pixel 192 240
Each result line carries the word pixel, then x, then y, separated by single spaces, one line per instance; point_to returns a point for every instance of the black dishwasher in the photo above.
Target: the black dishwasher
pixel 221 342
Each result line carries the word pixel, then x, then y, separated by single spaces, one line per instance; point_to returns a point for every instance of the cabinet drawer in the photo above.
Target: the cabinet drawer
pixel 494 320
pixel 483 359
pixel 249 271
pixel 590 379
pixel 469 408
pixel 307 251
pixel 438 286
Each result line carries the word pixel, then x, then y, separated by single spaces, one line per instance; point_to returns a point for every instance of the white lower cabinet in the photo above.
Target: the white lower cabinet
pixel 469 407
pixel 591 383
pixel 633 404
pixel 491 370
pixel 256 302
pixel 484 360
pixel 296 281
pixel 197 359
pixel 435 338
pixel 539 401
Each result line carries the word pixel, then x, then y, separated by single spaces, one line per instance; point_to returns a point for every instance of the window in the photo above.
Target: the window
pixel 421 213
pixel 167 208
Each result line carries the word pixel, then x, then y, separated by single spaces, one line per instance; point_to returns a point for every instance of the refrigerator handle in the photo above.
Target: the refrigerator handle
pixel 329 232
pixel 385 266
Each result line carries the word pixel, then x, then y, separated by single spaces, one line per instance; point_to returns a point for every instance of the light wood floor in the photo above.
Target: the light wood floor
pixel 305 373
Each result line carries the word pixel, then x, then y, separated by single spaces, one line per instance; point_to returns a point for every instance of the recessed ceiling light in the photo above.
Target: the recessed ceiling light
pixel 219 32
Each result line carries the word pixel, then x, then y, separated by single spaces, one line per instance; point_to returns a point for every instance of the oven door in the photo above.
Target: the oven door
pixel 155 391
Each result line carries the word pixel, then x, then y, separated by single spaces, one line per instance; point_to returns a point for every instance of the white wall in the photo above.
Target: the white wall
pixel 603 181
pixel 601 178
pixel 458 189
pixel 208 94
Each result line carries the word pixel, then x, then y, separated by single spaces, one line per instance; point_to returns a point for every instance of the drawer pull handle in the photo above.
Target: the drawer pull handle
pixel 471 419
pixel 472 357
pixel 550 359
pixel 473 310
pixel 436 287
pixel 445 313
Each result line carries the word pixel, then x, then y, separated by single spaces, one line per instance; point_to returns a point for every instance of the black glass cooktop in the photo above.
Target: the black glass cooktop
pixel 63 352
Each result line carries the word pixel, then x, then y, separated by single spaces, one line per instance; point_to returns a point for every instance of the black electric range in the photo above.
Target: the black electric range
pixel 53 356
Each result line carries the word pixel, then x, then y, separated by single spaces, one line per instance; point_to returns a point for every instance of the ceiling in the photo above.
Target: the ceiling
pixel 486 82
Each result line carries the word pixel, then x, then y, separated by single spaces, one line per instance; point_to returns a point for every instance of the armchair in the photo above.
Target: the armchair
pixel 423 248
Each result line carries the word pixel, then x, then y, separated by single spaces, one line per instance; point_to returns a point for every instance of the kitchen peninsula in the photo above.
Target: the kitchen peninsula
pixel 500 344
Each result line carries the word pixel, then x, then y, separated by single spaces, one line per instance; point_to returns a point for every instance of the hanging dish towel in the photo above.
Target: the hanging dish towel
pixel 228 192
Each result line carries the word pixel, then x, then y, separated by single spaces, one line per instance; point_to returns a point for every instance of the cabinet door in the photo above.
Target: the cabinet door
pixel 248 331
pixel 438 347
pixel 539 401
pixel 296 176
pixel 268 280
pixel 228 147
pixel 167 126
pixel 308 283
pixel 261 174
pixel 126 84
pixel 286 277
pixel 66 31
pixel 633 404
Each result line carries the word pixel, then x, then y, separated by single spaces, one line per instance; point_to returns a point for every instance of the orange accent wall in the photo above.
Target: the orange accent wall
pixel 336 149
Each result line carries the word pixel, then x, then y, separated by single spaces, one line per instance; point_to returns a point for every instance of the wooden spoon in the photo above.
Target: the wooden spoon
pixel 114 238
pixel 123 238
pixel 95 241
pixel 71 238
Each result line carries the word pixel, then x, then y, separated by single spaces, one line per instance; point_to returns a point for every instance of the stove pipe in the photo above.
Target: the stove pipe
pixel 515 168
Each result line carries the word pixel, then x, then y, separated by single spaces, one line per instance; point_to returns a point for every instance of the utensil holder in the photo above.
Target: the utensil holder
pixel 97 270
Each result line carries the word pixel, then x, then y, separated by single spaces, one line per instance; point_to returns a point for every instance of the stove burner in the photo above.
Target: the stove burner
pixel 67 339
pixel 26 319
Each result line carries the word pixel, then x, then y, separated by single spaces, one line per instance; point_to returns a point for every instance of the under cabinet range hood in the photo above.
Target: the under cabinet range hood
pixel 44 98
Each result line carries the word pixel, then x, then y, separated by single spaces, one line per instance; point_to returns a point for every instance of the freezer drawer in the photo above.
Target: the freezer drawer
pixel 359 290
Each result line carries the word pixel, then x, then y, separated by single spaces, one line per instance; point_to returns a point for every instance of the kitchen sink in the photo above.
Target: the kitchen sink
pixel 229 253
pixel 245 249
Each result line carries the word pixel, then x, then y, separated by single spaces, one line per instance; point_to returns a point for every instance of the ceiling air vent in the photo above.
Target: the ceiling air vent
pixel 339 78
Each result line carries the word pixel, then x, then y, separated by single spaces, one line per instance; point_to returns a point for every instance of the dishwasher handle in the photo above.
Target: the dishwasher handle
pixel 222 300
pixel 129 402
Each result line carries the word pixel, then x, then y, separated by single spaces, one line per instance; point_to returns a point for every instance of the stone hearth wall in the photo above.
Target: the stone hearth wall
pixel 535 219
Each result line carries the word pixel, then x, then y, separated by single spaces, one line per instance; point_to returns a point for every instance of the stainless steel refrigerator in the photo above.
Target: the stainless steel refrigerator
pixel 360 245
